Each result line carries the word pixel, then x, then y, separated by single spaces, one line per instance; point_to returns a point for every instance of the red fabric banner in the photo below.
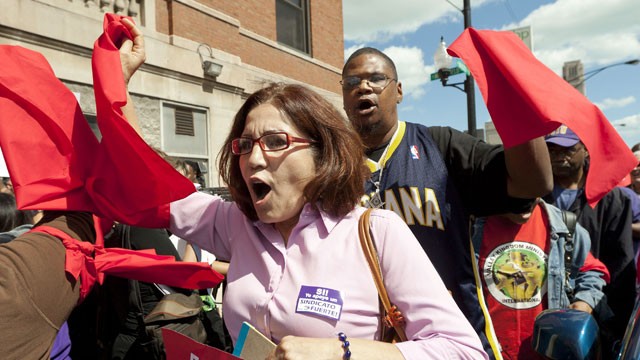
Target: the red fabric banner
pixel 90 263
pixel 47 143
pixel 56 163
pixel 55 160
pixel 527 100
pixel 147 183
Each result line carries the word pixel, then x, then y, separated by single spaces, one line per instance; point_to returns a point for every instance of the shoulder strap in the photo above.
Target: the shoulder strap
pixel 371 254
pixel 135 298
pixel 123 338
pixel 570 220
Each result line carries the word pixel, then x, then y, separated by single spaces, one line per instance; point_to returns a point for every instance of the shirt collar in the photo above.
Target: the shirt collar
pixel 391 148
pixel 310 213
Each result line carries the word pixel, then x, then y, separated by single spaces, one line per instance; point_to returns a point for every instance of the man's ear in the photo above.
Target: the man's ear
pixel 587 160
pixel 399 92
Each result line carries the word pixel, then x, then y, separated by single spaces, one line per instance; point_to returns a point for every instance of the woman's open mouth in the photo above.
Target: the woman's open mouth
pixel 261 190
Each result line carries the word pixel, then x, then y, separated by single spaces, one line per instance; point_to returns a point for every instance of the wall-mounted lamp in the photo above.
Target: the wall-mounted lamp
pixel 209 67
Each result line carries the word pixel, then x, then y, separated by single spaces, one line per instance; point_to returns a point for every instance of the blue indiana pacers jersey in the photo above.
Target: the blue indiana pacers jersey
pixel 413 181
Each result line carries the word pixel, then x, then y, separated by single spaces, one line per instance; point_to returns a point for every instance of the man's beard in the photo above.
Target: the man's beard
pixel 367 129
pixel 564 170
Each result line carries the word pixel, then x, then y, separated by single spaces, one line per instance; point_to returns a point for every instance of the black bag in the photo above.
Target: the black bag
pixel 131 314
pixel 177 312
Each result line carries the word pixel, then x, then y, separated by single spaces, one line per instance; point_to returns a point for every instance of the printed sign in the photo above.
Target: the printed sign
pixel 525 34
pixel 320 301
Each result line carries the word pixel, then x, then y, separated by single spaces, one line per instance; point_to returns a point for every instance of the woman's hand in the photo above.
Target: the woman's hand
pixel 294 347
pixel 132 53
pixel 132 56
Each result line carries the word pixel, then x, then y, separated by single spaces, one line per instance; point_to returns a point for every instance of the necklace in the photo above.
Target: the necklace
pixel 375 199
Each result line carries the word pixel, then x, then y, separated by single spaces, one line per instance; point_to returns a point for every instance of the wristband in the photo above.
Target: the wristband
pixel 345 345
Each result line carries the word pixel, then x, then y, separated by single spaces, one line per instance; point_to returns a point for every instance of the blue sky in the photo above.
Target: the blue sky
pixel 599 33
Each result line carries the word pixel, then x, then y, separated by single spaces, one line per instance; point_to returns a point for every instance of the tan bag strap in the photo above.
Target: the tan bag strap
pixel 371 254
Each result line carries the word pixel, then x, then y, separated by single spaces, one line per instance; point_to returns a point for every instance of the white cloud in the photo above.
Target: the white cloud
pixel 609 103
pixel 592 31
pixel 383 20
pixel 629 128
pixel 629 122
pixel 596 32
pixel 412 71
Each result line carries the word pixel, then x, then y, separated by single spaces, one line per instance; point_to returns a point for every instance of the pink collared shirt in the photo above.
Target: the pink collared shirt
pixel 269 283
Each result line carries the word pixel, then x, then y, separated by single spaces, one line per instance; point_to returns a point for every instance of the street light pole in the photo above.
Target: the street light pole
pixel 442 61
pixel 469 84
pixel 589 74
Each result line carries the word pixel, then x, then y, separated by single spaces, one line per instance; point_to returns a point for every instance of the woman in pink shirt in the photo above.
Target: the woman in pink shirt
pixel 295 169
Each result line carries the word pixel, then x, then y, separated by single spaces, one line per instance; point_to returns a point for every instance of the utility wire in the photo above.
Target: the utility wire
pixel 510 10
pixel 454 5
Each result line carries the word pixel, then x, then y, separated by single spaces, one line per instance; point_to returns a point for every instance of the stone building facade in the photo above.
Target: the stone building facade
pixel 182 110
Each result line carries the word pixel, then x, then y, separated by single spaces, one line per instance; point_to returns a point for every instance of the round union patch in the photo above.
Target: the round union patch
pixel 516 274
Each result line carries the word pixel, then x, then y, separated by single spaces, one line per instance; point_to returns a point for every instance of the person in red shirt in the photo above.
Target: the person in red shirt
pixel 522 265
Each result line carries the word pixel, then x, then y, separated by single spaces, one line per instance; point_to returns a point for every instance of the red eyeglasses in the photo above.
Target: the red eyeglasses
pixel 269 142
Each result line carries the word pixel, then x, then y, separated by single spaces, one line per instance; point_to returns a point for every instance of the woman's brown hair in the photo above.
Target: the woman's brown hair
pixel 339 152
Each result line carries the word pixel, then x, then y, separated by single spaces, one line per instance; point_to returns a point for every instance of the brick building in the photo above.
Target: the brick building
pixel 182 110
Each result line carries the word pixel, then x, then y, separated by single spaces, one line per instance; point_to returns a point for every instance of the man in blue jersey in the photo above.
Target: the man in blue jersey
pixel 436 178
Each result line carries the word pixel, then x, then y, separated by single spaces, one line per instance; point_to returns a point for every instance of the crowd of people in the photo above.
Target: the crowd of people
pixel 471 238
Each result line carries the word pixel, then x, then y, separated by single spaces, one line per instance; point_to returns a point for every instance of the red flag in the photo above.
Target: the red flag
pixel 147 266
pixel 527 100
pixel 626 181
pixel 56 163
pixel 55 160
pixel 146 183
pixel 89 263
pixel 181 347
pixel 47 143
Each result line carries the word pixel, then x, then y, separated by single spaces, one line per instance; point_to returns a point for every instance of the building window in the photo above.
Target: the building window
pixel 292 22
pixel 184 130
pixel 185 134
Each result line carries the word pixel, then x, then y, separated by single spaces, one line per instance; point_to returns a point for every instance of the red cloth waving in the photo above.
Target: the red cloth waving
pixel 146 183
pixel 527 100
pixel 56 162
pixel 47 143
pixel 88 263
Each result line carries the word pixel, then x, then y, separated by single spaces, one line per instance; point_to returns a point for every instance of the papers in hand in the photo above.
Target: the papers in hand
pixel 252 344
